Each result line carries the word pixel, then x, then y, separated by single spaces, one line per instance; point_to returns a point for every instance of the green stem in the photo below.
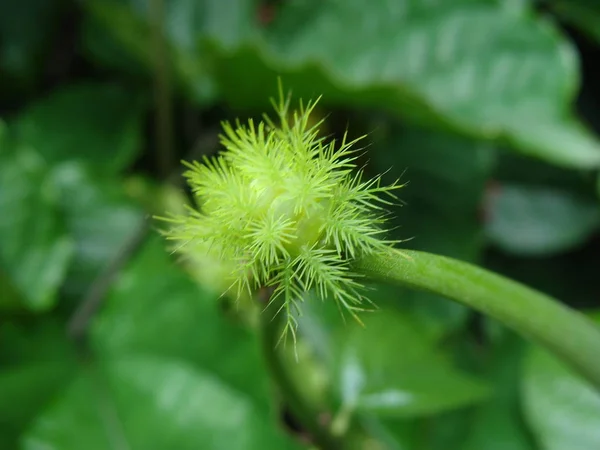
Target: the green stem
pixel 302 411
pixel 162 90
pixel 542 319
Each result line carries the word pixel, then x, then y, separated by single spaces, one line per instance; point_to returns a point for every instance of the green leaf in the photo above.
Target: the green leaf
pixel 436 316
pixel 440 432
pixel 516 6
pixel 585 14
pixel 390 367
pixel 117 34
pixel 457 64
pixel 496 424
pixel 471 66
pixel 380 376
pixel 10 298
pixel 70 222
pixel 170 372
pixel 562 409
pixel 35 249
pixel 147 403
pixel 531 220
pixel 35 365
pixel 100 219
pixel 25 391
pixel 26 28
pixel 99 124
pixel 156 309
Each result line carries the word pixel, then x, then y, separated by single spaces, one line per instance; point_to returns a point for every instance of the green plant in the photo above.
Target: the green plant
pixel 488 110
pixel 286 209
pixel 289 211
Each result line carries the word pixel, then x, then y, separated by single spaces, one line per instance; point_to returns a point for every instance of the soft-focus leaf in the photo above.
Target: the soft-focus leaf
pixel 390 367
pixel 100 219
pixel 99 124
pixel 10 298
pixel 562 409
pixel 496 423
pixel 155 308
pixel 516 6
pixel 493 424
pixel 436 316
pixel 35 249
pixel 440 432
pixel 445 431
pixel 33 368
pixel 168 368
pixel 58 215
pixel 585 14
pixel 154 403
pixel 118 34
pixel 469 65
pixel 25 29
pixel 24 391
pixel 540 221
pixel 171 373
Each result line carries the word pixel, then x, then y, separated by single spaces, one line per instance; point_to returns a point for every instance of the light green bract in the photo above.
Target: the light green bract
pixel 287 209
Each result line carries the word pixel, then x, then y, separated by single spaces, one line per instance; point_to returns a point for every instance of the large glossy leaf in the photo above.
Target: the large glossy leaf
pixel 35 249
pixel 469 65
pixel 170 372
pixel 153 403
pixel 99 124
pixel 562 409
pixel 529 220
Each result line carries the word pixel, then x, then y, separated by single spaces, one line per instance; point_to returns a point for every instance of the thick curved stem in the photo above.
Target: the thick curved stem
pixel 542 319
pixel 304 412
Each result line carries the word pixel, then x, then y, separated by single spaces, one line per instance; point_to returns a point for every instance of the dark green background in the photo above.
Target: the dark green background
pixel 490 109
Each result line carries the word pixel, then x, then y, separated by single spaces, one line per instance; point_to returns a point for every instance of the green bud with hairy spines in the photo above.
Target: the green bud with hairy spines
pixel 288 209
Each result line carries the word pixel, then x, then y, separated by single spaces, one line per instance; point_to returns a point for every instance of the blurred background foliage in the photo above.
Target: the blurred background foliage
pixel 490 109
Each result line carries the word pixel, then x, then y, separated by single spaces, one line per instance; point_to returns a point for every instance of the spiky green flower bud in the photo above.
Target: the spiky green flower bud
pixel 286 208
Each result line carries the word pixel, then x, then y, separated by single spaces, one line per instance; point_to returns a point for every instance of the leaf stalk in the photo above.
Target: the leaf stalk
pixel 542 319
